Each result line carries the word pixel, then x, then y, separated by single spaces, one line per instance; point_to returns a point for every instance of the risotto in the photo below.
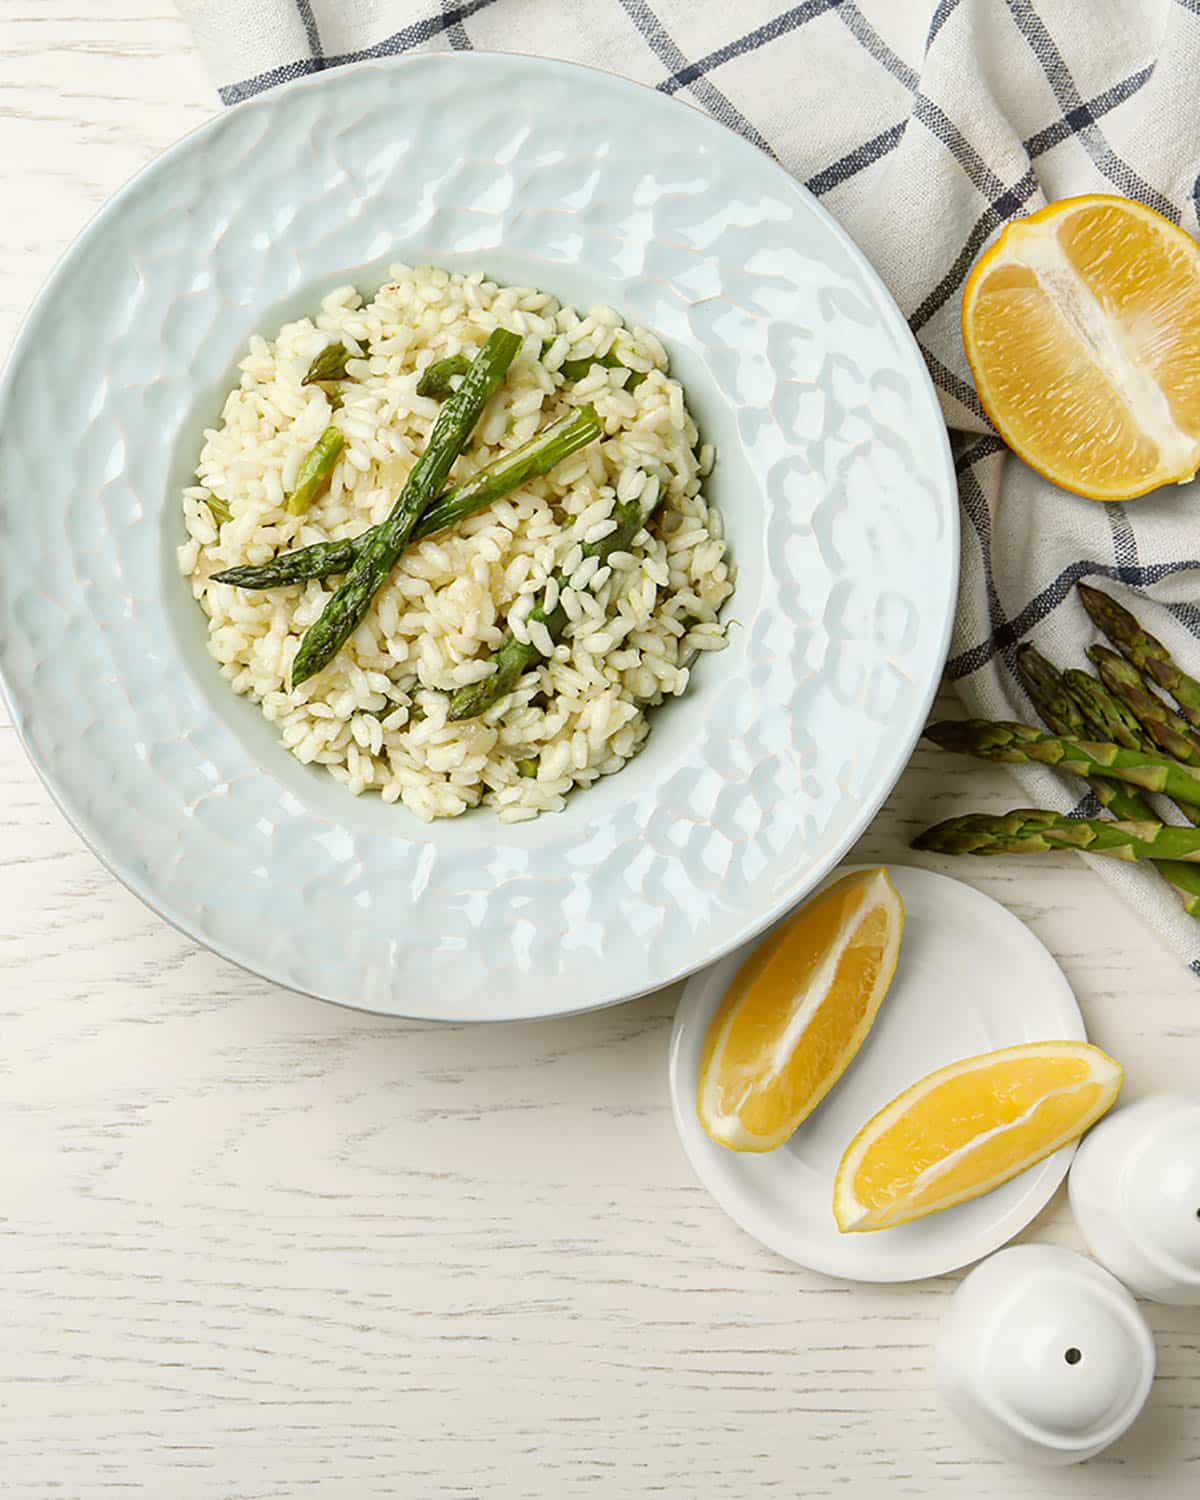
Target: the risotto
pixel 608 633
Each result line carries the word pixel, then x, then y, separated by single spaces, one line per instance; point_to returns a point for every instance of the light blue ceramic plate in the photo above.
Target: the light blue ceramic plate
pixel 833 475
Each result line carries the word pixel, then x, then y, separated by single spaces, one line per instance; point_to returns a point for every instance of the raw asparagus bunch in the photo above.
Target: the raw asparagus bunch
pixel 1115 733
pixel 1142 650
pixel 1019 744
pixel 1064 714
pixel 452 430
pixel 1034 831
pixel 542 453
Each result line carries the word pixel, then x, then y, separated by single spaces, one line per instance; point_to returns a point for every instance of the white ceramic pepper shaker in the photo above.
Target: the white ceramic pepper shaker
pixel 1135 1193
pixel 1044 1355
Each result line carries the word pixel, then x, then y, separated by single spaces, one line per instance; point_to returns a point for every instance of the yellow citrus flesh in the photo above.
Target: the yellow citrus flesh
pixel 1082 328
pixel 797 1011
pixel 969 1127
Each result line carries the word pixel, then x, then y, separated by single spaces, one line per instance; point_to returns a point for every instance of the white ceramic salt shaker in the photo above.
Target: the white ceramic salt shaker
pixel 1135 1193
pixel 1044 1355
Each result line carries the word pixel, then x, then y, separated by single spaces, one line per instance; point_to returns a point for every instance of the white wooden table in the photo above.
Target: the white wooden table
pixel 252 1246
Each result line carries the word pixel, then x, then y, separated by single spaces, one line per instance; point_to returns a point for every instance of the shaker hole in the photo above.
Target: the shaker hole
pixel 1073 1356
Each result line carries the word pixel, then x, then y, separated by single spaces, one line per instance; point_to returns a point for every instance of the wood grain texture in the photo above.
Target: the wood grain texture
pixel 252 1246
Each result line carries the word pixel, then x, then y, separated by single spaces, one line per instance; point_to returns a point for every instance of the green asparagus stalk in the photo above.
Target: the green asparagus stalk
pixel 540 455
pixel 1034 831
pixel 513 658
pixel 219 510
pixel 315 471
pixel 1063 715
pixel 329 365
pixel 1142 650
pixel 1018 744
pixel 1044 684
pixel 576 369
pixel 1165 728
pixel 449 437
pixel 437 380
pixel 1107 717
pixel 328 370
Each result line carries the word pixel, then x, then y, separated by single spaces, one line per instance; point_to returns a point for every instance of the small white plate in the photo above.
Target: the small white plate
pixel 971 978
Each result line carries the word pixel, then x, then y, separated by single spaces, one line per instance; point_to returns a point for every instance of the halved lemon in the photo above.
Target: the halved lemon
pixel 1082 329
pixel 797 1011
pixel 969 1127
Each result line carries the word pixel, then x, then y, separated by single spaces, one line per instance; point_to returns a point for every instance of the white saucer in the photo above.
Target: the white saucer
pixel 971 978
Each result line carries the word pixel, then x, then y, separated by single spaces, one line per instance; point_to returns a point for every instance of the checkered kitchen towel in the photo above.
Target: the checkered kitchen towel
pixel 922 125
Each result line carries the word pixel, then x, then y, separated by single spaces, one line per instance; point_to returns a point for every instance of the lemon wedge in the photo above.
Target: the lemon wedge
pixel 797 1011
pixel 969 1127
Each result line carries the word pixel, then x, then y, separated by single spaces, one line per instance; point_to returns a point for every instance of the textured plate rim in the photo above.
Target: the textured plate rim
pixel 1044 1177
pixel 752 927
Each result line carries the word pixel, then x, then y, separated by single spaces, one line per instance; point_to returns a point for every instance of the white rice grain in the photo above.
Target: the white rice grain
pixel 376 718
